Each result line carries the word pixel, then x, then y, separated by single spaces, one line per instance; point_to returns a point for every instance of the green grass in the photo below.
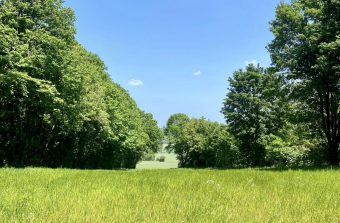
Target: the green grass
pixel 176 195
pixel 170 162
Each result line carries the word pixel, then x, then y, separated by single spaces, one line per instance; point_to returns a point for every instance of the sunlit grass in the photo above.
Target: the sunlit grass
pixel 170 162
pixel 177 195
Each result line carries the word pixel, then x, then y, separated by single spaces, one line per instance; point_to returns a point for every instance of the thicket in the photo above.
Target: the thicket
pixel 200 142
pixel 58 105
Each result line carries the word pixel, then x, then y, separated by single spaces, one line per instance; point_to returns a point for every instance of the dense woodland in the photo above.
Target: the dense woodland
pixel 60 108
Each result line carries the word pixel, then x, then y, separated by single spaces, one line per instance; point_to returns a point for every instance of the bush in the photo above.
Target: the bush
pixel 161 159
pixel 279 153
pixel 286 156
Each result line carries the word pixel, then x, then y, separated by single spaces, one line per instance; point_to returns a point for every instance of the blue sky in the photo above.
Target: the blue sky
pixel 176 55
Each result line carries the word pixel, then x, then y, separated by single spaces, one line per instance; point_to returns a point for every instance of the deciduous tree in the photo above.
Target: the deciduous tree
pixel 307 47
pixel 254 107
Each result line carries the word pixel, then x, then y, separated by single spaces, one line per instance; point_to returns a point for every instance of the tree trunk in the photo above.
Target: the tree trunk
pixel 333 155
pixel 329 107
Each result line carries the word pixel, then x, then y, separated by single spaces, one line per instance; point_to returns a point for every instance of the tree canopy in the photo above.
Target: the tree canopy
pixel 307 47
pixel 59 106
pixel 254 107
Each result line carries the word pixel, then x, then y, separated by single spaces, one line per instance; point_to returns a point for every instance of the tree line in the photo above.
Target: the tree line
pixel 60 108
pixel 287 114
pixel 263 127
pixel 58 105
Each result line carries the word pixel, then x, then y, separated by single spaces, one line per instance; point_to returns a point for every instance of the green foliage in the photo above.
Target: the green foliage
pixel 149 157
pixel 269 125
pixel 161 159
pixel 60 108
pixel 155 134
pixel 282 153
pixel 174 128
pixel 199 142
pixel 33 45
pixel 294 145
pixel 58 105
pixel 254 107
pixel 307 46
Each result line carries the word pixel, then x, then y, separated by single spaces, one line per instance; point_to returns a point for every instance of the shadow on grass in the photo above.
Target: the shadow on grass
pixel 278 169
pixel 302 168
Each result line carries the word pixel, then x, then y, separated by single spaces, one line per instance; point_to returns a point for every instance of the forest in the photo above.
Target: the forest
pixel 59 107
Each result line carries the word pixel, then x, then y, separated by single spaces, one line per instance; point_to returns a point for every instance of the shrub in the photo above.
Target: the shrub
pixel 161 159
pixel 279 153
pixel 286 156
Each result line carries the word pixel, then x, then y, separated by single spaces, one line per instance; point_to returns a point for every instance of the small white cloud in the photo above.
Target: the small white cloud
pixel 134 82
pixel 197 73
pixel 251 62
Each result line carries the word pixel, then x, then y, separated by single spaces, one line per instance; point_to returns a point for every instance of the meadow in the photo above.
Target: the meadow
pixel 172 195
pixel 170 162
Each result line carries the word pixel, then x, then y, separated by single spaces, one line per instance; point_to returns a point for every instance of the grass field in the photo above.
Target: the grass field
pixel 170 162
pixel 175 195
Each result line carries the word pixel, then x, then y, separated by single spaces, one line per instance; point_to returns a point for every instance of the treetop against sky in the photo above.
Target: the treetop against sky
pixel 176 56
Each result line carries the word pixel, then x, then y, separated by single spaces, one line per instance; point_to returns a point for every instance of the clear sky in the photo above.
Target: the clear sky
pixel 176 55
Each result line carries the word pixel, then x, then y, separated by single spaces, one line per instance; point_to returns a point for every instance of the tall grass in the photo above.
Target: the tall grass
pixel 178 195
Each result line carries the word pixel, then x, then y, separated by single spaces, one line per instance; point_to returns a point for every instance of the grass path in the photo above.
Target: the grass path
pixel 176 195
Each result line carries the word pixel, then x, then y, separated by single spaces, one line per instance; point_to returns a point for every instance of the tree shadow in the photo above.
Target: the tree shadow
pixel 276 169
pixel 301 168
